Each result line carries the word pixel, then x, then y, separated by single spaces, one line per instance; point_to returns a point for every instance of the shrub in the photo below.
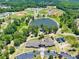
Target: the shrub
pixel 11 50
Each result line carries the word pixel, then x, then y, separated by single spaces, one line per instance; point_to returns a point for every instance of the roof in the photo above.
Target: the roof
pixel 39 43
pixel 60 40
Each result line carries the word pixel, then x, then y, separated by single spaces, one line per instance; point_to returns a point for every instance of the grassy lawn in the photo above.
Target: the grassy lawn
pixel 71 39
pixel 65 29
pixel 58 35
pixel 16 17
pixel 30 13
pixel 22 26
pixel 55 18
pixel 55 48
pixel 43 11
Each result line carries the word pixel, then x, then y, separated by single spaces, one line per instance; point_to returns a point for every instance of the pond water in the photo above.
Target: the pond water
pixel 30 55
pixel 44 21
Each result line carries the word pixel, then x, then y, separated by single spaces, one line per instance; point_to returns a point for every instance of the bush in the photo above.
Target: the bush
pixel 16 42
pixel 50 57
pixel 6 54
pixel 48 51
pixel 11 50
pixel 1 44
pixel 7 39
pixel 41 36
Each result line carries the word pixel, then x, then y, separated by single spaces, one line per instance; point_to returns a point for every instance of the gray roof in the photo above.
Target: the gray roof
pixel 43 42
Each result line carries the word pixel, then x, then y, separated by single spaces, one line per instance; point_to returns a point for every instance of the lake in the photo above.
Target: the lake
pixel 44 21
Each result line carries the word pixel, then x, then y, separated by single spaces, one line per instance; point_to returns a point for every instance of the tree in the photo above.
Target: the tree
pixel 6 54
pixel 55 29
pixel 41 36
pixel 20 36
pixel 48 51
pixel 75 29
pixel 1 20
pixel 50 57
pixel 1 44
pixel 32 18
pixel 46 29
pixel 26 32
pixel 50 30
pixel 17 22
pixel 11 49
pixel 17 42
pixel 35 30
pixel 27 21
pixel 17 35
pixel 7 39
pixel 10 29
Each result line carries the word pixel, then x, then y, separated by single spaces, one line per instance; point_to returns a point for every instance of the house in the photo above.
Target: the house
pixel 45 42
pixel 60 40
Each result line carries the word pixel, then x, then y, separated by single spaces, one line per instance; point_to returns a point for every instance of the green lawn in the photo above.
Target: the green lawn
pixel 65 29
pixel 55 18
pixel 43 11
pixel 22 26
